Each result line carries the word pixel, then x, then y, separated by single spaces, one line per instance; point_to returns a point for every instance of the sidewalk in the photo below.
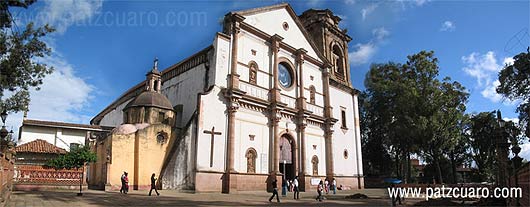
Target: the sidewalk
pixel 174 198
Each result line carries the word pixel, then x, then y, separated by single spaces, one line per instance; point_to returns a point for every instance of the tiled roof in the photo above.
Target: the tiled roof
pixel 40 146
pixel 32 122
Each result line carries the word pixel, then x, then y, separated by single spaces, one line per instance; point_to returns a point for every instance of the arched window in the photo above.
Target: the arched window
pixel 252 72
pixel 338 62
pixel 314 161
pixel 312 92
pixel 251 156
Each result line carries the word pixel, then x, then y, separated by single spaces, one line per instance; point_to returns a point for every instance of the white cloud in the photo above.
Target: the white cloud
pixel 485 69
pixel 514 120
pixel 490 93
pixel 508 61
pixel 350 2
pixel 448 26
pixel 368 10
pixel 380 33
pixel 420 2
pixel 525 151
pixel 63 13
pixel 63 96
pixel 362 54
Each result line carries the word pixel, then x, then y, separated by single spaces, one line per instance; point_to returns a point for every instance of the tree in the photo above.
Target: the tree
pixel 484 131
pixel 20 69
pixel 515 85
pixel 77 158
pixel 410 111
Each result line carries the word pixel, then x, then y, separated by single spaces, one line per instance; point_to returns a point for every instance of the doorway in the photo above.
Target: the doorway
pixel 287 165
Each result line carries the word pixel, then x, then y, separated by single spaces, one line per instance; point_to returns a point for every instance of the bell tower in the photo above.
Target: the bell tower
pixel 332 41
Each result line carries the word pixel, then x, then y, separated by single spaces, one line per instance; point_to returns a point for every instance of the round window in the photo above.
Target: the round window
pixel 284 75
pixel 285 26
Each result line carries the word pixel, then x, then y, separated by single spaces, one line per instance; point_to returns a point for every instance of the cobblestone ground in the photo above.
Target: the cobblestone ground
pixel 173 198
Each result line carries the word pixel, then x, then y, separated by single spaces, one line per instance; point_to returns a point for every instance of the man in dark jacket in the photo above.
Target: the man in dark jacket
pixel 153 185
pixel 274 191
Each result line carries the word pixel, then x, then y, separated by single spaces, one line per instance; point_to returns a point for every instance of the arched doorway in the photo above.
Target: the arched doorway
pixel 287 161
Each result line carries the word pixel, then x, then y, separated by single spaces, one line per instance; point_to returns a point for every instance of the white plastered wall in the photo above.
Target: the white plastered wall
pixel 344 139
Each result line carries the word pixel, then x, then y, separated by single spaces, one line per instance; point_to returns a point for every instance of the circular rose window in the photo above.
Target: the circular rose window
pixel 285 76
pixel 345 154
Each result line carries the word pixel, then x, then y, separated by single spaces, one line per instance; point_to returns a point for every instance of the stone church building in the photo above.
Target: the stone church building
pixel 270 97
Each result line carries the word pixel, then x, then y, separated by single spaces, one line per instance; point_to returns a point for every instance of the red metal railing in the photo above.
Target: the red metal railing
pixel 34 174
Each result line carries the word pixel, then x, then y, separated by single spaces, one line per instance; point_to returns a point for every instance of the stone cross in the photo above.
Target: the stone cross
pixel 213 133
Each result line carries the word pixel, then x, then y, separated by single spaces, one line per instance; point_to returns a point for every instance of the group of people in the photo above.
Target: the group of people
pixel 326 186
pixel 293 186
pixel 125 184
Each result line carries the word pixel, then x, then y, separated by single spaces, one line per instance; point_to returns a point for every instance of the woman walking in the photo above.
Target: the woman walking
pixel 320 188
pixel 153 185
pixel 274 191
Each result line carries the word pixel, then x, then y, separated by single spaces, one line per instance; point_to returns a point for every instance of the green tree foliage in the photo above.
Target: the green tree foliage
pixel 515 85
pixel 410 111
pixel 483 132
pixel 75 159
pixel 20 69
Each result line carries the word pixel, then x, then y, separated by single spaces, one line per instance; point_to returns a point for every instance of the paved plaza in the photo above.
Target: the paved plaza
pixel 173 198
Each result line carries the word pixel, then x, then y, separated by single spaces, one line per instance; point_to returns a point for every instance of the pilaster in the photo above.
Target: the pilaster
pixel 330 121
pixel 233 77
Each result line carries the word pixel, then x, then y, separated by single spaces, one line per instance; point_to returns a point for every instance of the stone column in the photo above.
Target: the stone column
pixel 300 53
pixel 301 104
pixel 302 171
pixel 233 77
pixel 275 100
pixel 328 132
pixel 229 180
pixel 232 94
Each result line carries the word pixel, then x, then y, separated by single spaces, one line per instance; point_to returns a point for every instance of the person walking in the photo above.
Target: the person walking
pixel 153 185
pixel 296 189
pixel 284 187
pixel 326 186
pixel 122 189
pixel 126 179
pixel 274 191
pixel 334 186
pixel 320 188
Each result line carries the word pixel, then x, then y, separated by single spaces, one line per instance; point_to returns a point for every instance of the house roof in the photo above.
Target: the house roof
pixel 32 122
pixel 40 146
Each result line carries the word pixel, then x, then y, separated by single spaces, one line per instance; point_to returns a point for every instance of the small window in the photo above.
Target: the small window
pixel 343 119
pixel 161 117
pixel 285 26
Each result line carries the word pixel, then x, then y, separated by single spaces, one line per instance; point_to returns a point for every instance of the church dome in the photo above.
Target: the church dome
pixel 150 99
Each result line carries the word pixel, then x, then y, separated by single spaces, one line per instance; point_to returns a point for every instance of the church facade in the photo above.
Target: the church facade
pixel 270 98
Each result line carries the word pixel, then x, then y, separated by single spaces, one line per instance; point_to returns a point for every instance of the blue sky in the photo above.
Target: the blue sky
pixel 102 48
